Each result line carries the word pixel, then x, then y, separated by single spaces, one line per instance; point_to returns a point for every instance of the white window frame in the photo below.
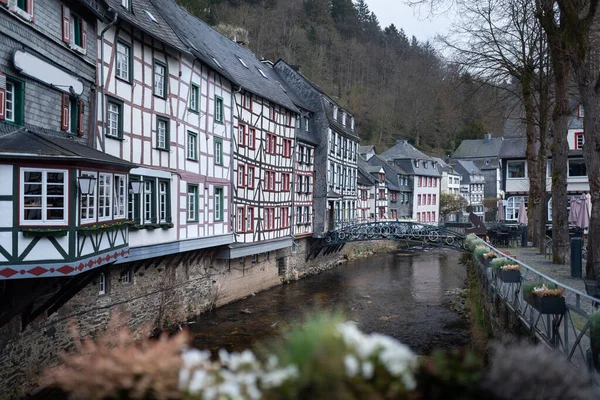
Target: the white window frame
pixel 569 169
pixel 160 76
pixel 147 202
pixel 192 146
pixel 120 200
pixel 240 219
pixel 127 277
pixel 102 283
pixel 9 103
pixel 112 119
pixel 161 134
pixel 192 206
pixel 163 205
pixel 123 61
pixel 512 207
pixel 105 193
pixel 508 164
pixel 90 199
pixel 44 198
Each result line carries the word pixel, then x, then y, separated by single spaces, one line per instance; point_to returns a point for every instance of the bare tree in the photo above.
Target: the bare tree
pixel 499 41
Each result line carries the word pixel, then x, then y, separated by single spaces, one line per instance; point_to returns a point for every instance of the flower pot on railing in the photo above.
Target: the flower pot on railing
pixel 546 299
pixel 509 275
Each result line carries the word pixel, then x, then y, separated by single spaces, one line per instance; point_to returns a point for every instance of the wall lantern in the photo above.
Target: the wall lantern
pixel 135 187
pixel 86 184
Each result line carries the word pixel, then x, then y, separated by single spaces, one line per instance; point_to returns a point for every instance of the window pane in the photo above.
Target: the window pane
pixel 516 170
pixel 577 168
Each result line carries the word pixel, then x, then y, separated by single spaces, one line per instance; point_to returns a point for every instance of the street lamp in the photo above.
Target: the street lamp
pixel 135 187
pixel 86 184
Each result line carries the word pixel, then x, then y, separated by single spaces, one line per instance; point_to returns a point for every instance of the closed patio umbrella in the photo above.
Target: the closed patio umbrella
pixel 574 211
pixel 500 210
pixel 522 213
pixel 583 216
pixel 588 200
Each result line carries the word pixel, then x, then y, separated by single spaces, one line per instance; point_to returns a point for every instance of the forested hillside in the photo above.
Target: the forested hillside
pixel 395 86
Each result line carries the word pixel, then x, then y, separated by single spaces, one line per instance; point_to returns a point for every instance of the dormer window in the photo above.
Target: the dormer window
pixel 265 76
pixel 425 164
pixel 580 112
pixel 343 118
pixel 335 112
pixel 351 123
pixel 417 163
pixel 126 4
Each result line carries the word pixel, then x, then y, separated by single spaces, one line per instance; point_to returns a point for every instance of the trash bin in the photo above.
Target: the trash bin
pixel 524 236
pixel 575 257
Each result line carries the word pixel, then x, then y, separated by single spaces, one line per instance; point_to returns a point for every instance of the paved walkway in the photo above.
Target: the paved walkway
pixel 560 273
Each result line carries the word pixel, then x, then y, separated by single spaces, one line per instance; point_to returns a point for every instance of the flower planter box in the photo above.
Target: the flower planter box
pixel 51 233
pixel 509 276
pixel 546 304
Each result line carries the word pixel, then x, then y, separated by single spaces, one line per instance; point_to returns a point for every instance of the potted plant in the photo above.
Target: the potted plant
pixel 475 243
pixel 506 270
pixel 595 338
pixel 479 252
pixel 545 298
pixel 489 257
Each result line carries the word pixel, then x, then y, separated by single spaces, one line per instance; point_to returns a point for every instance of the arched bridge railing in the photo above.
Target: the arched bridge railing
pixel 424 234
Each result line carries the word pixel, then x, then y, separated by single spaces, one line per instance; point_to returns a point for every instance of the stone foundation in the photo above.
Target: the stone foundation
pixel 164 292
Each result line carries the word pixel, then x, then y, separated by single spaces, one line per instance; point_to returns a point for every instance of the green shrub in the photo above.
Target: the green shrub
pixel 529 286
pixel 475 243
pixel 480 251
pixel 498 263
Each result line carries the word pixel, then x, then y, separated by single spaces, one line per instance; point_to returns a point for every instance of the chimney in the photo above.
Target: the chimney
pixel 487 137
pixel 268 63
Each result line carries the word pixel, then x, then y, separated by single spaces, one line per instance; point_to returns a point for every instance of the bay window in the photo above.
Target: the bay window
pixel 577 168
pixel 119 201
pixel 87 202
pixel 44 197
pixel 105 195
pixel 516 169
pixel 163 202
pixel 149 202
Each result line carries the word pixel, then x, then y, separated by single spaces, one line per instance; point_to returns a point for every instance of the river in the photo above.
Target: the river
pixel 402 294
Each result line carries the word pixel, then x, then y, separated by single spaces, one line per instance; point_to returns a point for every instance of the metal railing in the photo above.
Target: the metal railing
pixel 568 332
pixel 422 233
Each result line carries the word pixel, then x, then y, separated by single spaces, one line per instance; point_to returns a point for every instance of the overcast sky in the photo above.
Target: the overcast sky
pixel 412 20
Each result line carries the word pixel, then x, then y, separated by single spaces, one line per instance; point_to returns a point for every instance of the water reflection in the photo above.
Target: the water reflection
pixel 398 294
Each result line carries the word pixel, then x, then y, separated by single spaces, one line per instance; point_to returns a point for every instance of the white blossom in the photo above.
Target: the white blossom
pixel 352 365
pixel 367 370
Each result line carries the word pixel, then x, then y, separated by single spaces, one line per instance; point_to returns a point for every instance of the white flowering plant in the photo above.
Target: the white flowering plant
pixel 325 358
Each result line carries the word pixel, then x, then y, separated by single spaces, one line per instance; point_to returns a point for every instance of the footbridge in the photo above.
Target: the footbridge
pixel 414 234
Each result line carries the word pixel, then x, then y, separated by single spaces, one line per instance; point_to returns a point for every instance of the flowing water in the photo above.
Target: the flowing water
pixel 401 294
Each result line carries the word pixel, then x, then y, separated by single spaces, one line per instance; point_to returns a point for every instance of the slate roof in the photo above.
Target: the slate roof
pixel 25 143
pixel 138 17
pixel 479 148
pixel 392 173
pixel 289 91
pixel 223 54
pixel 404 154
pixel 466 169
pixel 403 150
pixel 334 123
pixel 516 149
pixel 366 149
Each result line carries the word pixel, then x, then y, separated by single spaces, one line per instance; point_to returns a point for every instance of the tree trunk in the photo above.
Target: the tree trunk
pixel 560 150
pixel 535 191
pixel 591 153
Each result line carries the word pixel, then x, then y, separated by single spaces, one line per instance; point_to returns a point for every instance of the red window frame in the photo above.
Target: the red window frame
pixel 272 112
pixel 269 181
pixel 240 219
pixel 251 141
pixel 250 222
pixel 418 217
pixel 576 138
pixel 434 199
pixel 428 199
pixel 271 147
pixel 433 216
pixel 285 217
pixel 247 101
pixel 435 181
pixel 285 181
pixel 250 182
pixel 269 218
pixel 241 181
pixel 287 148
pixel 241 135
pixel 420 181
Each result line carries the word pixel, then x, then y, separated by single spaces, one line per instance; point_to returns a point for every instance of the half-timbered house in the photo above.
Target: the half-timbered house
pixel 62 202
pixel 335 193
pixel 170 114
pixel 263 128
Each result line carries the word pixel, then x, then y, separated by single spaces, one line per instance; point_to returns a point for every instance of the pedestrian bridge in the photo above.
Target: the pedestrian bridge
pixel 413 233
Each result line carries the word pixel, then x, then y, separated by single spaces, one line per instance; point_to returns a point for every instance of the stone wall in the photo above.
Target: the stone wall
pixel 164 292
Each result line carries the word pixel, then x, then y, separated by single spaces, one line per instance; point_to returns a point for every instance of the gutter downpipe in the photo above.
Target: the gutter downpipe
pixel 232 210
pixel 102 84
